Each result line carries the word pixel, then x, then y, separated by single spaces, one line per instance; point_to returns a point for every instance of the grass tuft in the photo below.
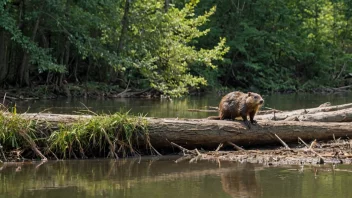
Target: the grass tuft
pixel 113 136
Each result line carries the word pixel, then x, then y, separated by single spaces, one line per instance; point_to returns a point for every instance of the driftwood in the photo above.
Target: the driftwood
pixel 336 114
pixel 279 156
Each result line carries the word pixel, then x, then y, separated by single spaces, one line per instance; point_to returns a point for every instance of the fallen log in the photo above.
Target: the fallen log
pixel 327 112
pixel 198 133
pixel 344 115
pixel 312 112
pixel 285 115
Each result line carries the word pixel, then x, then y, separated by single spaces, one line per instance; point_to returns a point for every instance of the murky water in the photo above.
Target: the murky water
pixel 148 177
pixel 176 108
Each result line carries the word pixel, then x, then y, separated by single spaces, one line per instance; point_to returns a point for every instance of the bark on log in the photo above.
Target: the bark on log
pixel 198 133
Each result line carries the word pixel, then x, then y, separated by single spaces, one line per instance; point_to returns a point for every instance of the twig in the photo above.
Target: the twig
pixel 303 142
pixel 219 147
pixel 235 146
pixel 151 146
pixel 198 153
pixel 183 158
pixel 3 101
pixel 88 110
pixel 312 145
pixel 282 142
pixel 196 158
pixel 321 157
pixel 126 90
pixel 184 149
pixel 335 144
pixel 310 148
pixel 52 152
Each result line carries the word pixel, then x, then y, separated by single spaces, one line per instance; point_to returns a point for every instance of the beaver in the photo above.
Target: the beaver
pixel 239 104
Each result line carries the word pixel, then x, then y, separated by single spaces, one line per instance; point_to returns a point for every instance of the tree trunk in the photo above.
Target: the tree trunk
pixel 24 68
pixel 166 5
pixel 3 55
pixel 124 26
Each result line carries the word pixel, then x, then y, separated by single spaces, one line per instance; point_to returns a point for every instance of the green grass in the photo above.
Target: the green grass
pixel 115 135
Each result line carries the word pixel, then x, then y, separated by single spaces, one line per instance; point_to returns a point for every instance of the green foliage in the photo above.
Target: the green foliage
pixel 162 49
pixel 280 45
pixel 39 56
pixel 261 44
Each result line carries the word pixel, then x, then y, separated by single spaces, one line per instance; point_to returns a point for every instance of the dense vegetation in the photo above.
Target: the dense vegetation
pixel 174 46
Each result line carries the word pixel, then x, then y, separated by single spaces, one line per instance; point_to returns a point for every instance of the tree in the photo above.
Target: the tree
pixel 161 46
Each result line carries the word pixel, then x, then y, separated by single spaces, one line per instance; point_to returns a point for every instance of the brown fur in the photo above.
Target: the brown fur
pixel 239 104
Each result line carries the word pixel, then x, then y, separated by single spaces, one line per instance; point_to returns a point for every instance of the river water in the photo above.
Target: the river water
pixel 162 177
pixel 163 108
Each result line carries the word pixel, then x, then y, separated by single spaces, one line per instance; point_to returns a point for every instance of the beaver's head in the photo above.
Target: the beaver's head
pixel 254 99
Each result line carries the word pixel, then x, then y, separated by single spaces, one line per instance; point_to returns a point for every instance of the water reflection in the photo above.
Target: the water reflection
pixel 151 177
pixel 241 182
